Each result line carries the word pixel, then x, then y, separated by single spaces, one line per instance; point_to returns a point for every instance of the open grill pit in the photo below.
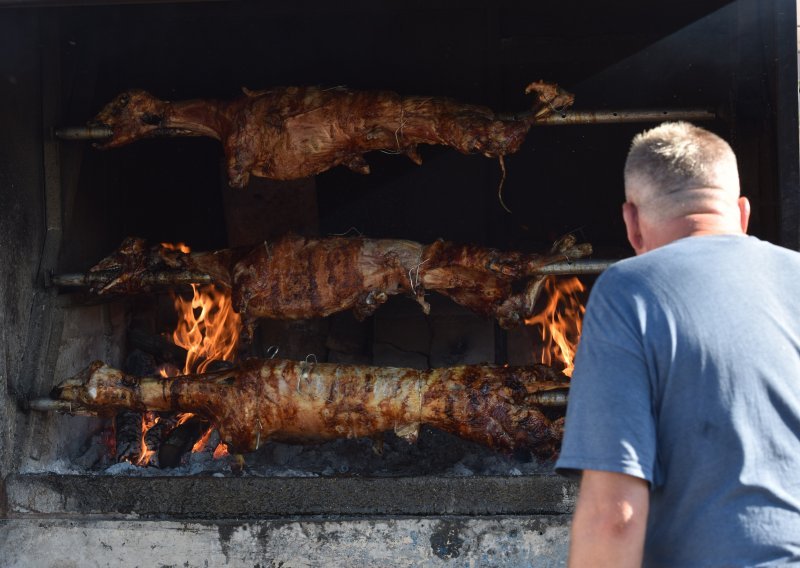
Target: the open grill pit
pixel 68 491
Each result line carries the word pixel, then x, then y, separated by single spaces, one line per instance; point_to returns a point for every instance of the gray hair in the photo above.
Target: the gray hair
pixel 679 166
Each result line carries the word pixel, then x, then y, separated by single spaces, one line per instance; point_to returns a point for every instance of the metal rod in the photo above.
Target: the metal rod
pixel 156 279
pixel 51 405
pixel 556 399
pixel 60 406
pixel 78 280
pixel 624 116
pixel 556 119
pixel 69 280
pixel 550 398
pixel 83 133
pixel 575 267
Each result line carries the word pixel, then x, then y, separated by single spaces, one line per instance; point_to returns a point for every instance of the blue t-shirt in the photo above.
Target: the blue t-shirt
pixel 688 376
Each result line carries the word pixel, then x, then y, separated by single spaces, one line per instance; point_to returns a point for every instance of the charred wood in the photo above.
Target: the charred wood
pixel 158 346
pixel 180 440
pixel 128 435
pixel 164 423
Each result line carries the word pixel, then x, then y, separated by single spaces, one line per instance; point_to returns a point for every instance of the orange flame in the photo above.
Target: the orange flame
pixel 561 321
pixel 201 444
pixel 177 246
pixel 221 451
pixel 149 419
pixel 208 328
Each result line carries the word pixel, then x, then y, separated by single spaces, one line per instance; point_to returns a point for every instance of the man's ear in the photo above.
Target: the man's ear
pixel 630 214
pixel 744 213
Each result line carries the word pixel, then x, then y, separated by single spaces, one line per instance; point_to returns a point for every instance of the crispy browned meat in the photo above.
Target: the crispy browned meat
pixel 301 278
pixel 501 407
pixel 294 132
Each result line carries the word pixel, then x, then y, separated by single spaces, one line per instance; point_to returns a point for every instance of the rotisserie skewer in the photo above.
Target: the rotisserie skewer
pixel 294 132
pixel 300 278
pixel 560 118
pixel 302 402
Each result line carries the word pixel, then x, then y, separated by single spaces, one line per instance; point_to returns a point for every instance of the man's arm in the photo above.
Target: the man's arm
pixel 610 520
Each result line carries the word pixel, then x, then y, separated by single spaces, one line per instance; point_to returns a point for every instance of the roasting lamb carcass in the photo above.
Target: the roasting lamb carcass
pixel 294 132
pixel 304 402
pixel 300 278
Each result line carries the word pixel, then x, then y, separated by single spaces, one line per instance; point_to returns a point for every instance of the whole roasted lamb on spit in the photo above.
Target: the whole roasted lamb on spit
pixel 300 277
pixel 504 408
pixel 294 132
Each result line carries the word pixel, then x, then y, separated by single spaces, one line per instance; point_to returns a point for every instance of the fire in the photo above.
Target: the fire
pixel 177 246
pixel 561 321
pixel 221 451
pixel 208 328
pixel 149 419
pixel 200 444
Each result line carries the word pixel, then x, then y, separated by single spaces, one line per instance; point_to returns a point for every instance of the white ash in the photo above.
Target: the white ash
pixel 59 466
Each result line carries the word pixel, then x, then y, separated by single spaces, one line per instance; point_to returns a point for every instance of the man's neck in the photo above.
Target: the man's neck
pixel 695 225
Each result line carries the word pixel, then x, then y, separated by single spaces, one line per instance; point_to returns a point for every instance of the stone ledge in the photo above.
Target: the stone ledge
pixel 253 497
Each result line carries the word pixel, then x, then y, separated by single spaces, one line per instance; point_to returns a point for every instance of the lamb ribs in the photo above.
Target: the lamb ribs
pixel 294 132
pixel 300 278
pixel 303 402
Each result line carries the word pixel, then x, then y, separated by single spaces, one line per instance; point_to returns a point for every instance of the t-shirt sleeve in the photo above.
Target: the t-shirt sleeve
pixel 610 424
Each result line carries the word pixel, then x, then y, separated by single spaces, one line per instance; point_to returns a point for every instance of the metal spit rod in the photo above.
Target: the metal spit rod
pixel 556 119
pixel 558 398
pixel 83 133
pixel 624 116
pixel 575 267
pixel 78 280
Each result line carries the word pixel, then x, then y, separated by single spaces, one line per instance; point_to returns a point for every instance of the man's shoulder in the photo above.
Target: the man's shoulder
pixel 686 265
pixel 701 250
pixel 630 270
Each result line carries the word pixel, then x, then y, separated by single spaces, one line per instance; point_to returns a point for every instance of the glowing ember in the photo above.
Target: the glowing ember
pixel 560 321
pixel 221 451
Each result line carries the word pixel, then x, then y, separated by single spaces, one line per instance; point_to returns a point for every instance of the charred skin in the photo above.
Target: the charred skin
pixel 301 402
pixel 302 278
pixel 294 132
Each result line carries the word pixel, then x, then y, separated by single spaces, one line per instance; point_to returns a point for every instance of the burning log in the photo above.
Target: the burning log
pixel 294 132
pixel 156 432
pixel 180 440
pixel 505 408
pixel 301 278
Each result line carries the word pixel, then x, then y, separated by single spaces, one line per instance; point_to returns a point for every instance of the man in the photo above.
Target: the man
pixel 684 412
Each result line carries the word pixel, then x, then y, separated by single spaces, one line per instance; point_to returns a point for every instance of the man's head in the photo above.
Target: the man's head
pixel 680 181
